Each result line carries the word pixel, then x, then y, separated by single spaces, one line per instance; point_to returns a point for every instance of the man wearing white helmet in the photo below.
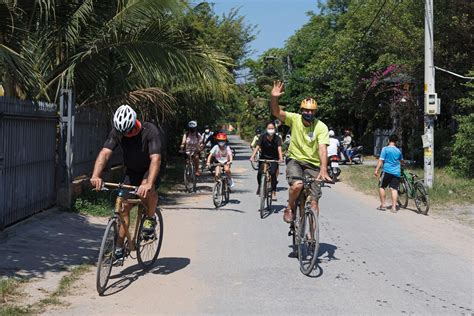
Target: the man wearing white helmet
pixel 333 144
pixel 141 147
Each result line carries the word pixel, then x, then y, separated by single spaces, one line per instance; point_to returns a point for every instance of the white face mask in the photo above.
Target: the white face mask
pixel 221 144
pixel 270 131
pixel 207 131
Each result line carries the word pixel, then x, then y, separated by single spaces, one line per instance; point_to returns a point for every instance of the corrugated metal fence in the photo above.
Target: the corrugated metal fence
pixel 91 128
pixel 27 158
pixel 33 150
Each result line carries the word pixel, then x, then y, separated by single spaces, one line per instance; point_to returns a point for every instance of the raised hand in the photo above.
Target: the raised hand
pixel 277 90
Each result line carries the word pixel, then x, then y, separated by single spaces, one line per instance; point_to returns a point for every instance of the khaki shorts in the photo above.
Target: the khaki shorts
pixel 296 168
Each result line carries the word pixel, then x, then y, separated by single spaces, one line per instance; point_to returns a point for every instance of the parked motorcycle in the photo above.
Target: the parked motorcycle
pixel 356 154
pixel 333 168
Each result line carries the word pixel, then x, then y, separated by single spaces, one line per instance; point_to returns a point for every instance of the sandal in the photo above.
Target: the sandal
pixel 381 208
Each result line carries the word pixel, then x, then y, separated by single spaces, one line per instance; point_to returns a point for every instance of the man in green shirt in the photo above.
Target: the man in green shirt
pixel 307 151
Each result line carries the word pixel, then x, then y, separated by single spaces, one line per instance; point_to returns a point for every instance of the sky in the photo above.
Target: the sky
pixel 276 20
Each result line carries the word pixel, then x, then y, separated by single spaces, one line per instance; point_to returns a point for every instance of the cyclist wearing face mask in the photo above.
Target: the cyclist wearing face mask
pixel 192 143
pixel 222 153
pixel 207 137
pixel 307 154
pixel 270 146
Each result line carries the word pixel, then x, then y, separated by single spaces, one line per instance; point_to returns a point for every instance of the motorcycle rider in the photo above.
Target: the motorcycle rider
pixel 347 145
pixel 333 147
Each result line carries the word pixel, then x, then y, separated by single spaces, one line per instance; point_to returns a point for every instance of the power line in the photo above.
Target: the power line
pixel 454 74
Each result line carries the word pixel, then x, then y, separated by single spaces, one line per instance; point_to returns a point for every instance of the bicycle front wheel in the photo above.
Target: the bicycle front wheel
pixel 403 193
pixel 226 191
pixel 188 179
pixel 263 194
pixel 217 194
pixel 269 193
pixel 106 256
pixel 149 245
pixel 308 242
pixel 421 198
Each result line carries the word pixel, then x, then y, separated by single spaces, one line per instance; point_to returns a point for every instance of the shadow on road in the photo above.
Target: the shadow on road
pixel 324 248
pixel 327 251
pixel 127 276
pixel 51 241
pixel 204 209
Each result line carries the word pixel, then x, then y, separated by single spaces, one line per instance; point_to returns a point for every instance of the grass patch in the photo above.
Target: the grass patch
pixel 12 310
pixel 9 288
pixel 449 189
pixel 93 203
pixel 173 175
pixel 63 289
pixel 67 281
pixel 49 301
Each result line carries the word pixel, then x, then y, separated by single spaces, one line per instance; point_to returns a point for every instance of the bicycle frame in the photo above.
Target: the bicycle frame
pixel 119 211
pixel 266 168
pixel 410 183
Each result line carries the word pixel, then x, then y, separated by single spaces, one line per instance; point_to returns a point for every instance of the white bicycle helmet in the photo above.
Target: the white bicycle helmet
pixel 192 124
pixel 124 119
pixel 331 133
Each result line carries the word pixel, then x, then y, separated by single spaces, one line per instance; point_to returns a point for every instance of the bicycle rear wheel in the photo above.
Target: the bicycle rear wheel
pixel 308 241
pixel 403 193
pixel 421 198
pixel 106 256
pixel 217 194
pixel 263 194
pixel 148 247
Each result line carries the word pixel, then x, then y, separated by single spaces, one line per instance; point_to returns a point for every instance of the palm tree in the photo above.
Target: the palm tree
pixel 108 51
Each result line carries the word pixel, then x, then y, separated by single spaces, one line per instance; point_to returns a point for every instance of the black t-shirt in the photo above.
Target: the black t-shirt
pixel 269 148
pixel 137 150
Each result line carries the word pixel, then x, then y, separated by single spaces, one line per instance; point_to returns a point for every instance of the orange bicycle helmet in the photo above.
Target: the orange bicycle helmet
pixel 309 104
pixel 221 136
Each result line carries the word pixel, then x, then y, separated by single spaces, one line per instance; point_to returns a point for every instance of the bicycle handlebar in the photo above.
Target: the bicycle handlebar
pixel 220 164
pixel 120 186
pixel 309 179
pixel 268 160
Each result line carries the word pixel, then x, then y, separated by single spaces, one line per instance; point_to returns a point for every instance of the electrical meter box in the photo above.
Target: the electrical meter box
pixel 432 104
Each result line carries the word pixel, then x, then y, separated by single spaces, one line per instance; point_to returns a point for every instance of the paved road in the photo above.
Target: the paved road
pixel 230 261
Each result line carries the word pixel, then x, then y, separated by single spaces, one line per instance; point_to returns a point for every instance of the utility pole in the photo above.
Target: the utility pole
pixel 431 104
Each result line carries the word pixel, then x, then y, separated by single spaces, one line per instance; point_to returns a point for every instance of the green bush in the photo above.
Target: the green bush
pixel 462 161
pixel 93 203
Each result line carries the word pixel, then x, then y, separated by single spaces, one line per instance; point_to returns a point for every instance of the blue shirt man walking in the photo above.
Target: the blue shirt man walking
pixel 391 159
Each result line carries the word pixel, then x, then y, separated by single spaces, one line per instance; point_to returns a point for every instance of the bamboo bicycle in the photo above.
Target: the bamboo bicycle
pixel 265 186
pixel 147 247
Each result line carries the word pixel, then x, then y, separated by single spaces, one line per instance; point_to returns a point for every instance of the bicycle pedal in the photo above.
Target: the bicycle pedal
pixel 118 262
